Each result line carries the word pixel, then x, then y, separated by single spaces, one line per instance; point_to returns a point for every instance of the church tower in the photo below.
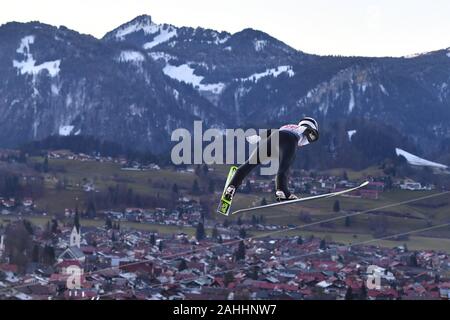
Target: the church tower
pixel 75 235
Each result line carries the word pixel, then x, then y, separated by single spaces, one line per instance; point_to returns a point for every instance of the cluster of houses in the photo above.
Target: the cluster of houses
pixel 100 263
pixel 325 183
pixel 186 213
pixel 125 164
pixel 8 203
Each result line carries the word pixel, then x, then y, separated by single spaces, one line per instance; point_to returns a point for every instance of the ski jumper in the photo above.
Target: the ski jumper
pixel 290 137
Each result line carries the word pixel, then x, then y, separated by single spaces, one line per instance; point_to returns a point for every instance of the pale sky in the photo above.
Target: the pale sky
pixel 341 27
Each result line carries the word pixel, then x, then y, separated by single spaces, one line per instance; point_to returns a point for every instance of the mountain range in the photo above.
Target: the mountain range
pixel 142 80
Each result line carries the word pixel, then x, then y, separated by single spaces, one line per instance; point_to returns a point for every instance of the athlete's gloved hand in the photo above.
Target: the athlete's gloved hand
pixel 253 139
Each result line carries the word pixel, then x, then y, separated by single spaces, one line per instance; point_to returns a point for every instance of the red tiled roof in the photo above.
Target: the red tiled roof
pixel 9 267
pixel 68 263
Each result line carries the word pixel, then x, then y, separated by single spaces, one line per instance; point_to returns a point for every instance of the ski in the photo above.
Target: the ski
pixel 320 196
pixel 225 205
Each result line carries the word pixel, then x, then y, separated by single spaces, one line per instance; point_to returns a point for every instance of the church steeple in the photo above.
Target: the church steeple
pixel 76 221
pixel 75 235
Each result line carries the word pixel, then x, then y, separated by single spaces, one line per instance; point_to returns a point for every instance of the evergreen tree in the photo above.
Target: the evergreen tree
pixel 323 244
pixel 228 278
pixel 240 253
pixel 200 232
pixel 45 164
pixel 253 273
pixel 195 188
pixel 261 219
pixel 363 292
pixel 91 209
pixel 336 206
pixel 48 255
pixel 129 200
pixel 35 255
pixel 242 233
pixel 214 233
pixel 349 294
pixel 348 221
pixel 28 227
pixel 152 239
pixel 160 246
pixel 413 260
pixel 183 265
pixel 345 176
pixel 108 223
pixel 54 226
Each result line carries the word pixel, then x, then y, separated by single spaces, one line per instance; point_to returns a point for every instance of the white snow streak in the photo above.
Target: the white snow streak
pixel 184 73
pixel 146 26
pixel 350 134
pixel 28 66
pixel 417 161
pixel 274 72
pixel 259 44
pixel 156 55
pixel 383 89
pixel 65 130
pixel 162 33
pixel 165 35
pixel 131 56
pixel 351 103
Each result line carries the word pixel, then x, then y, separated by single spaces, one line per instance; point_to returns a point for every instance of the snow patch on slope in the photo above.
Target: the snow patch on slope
pixel 28 66
pixel 383 89
pixel 65 130
pixel 350 134
pixel 157 55
pixel 165 35
pixel 131 56
pixel 184 73
pixel 146 25
pixel 351 103
pixel 162 33
pixel 259 44
pixel 417 161
pixel 274 72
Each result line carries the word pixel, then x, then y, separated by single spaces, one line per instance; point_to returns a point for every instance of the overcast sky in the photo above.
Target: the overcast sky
pixel 346 27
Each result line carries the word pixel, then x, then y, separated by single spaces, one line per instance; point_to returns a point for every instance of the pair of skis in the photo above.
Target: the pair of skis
pixel 225 204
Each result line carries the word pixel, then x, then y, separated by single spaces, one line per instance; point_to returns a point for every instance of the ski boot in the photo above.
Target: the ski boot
pixel 281 196
pixel 229 193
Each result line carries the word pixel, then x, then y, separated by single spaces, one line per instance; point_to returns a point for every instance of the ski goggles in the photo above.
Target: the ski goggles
pixel 311 134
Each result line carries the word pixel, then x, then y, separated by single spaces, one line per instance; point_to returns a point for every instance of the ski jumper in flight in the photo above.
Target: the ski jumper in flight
pixel 291 136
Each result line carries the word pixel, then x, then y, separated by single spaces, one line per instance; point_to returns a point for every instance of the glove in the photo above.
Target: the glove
pixel 253 139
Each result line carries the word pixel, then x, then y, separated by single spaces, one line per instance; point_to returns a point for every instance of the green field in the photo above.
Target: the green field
pixel 398 218
pixel 42 221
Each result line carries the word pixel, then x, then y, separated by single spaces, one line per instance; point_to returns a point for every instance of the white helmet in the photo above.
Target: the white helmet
pixel 312 129
pixel 309 122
